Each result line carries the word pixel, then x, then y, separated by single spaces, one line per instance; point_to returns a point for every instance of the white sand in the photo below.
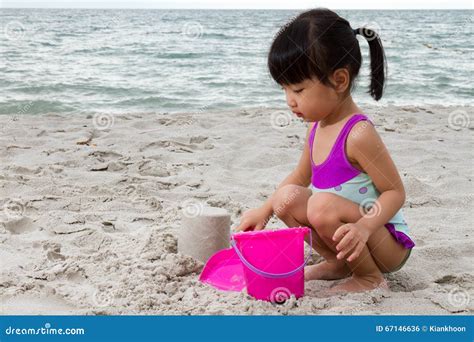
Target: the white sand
pixel 91 228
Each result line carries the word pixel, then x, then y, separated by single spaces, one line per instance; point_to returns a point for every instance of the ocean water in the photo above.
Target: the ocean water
pixel 72 60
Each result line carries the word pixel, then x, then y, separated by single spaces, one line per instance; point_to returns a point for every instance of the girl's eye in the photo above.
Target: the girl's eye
pixel 299 90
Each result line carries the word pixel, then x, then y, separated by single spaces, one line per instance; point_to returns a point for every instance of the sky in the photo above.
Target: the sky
pixel 250 4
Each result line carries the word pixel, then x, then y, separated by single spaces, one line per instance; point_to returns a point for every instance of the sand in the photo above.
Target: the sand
pixel 92 209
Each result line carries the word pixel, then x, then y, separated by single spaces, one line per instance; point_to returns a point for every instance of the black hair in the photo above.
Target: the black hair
pixel 319 41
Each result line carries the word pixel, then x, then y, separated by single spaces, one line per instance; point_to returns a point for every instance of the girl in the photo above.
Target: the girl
pixel 355 192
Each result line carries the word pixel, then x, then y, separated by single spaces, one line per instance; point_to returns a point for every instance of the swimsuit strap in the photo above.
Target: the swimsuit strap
pixel 342 137
pixel 336 169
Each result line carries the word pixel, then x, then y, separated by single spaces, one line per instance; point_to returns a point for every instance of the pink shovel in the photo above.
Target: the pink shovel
pixel 224 271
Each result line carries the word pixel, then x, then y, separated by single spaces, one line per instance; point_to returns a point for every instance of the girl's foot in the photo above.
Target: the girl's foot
pixel 327 271
pixel 360 284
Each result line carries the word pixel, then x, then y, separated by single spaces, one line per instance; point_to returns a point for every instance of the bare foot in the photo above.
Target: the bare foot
pixel 360 284
pixel 327 271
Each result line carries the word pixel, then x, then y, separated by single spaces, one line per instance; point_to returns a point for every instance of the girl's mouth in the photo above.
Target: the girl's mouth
pixel 298 114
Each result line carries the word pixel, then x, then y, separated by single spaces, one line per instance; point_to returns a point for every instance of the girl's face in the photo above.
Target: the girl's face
pixel 311 100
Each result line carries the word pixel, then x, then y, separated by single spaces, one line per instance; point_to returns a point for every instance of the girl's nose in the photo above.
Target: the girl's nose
pixel 290 101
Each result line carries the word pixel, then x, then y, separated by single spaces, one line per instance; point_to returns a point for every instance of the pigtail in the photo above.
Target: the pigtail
pixel 378 63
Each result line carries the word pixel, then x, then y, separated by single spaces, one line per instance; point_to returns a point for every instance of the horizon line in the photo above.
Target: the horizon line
pixel 232 9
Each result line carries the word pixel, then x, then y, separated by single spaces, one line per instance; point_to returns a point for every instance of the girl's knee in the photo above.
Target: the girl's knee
pixel 321 214
pixel 285 198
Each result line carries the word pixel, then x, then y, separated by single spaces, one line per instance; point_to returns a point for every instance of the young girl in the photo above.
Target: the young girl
pixel 355 192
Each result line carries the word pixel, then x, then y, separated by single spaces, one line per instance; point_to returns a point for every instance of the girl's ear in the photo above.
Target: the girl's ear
pixel 341 80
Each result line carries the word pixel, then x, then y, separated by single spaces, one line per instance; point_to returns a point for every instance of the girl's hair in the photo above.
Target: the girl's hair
pixel 318 42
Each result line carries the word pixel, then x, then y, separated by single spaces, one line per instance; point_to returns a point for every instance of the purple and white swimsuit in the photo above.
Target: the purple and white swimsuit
pixel 336 175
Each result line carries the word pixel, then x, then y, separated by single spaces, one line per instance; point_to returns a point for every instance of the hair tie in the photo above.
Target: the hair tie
pixel 355 31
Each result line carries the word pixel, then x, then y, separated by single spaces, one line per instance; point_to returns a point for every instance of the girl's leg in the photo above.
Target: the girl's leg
pixel 290 205
pixel 382 253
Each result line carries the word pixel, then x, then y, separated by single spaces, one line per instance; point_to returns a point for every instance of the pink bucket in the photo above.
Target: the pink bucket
pixel 273 262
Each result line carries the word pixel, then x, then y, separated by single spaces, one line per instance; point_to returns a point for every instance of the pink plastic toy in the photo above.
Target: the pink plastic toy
pixel 270 263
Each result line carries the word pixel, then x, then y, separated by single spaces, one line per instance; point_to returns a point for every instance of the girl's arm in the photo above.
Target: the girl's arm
pixel 365 146
pixel 301 175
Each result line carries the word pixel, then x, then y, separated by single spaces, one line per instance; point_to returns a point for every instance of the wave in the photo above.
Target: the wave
pixel 181 55
pixel 162 101
pixel 220 36
pixel 20 107
pixel 87 88
pixel 112 60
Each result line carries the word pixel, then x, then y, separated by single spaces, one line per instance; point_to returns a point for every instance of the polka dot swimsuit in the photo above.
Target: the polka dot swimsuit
pixel 337 175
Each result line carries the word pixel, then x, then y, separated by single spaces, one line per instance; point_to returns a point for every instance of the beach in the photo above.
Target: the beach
pixel 92 207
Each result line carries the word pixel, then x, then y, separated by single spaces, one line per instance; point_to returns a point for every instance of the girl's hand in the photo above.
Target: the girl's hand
pixel 254 219
pixel 351 237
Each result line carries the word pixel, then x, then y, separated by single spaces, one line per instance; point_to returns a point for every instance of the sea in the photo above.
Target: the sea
pixel 140 61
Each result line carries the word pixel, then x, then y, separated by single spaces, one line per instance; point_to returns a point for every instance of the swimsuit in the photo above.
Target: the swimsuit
pixel 336 175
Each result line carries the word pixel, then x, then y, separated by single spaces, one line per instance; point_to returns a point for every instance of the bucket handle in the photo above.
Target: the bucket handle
pixel 272 275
